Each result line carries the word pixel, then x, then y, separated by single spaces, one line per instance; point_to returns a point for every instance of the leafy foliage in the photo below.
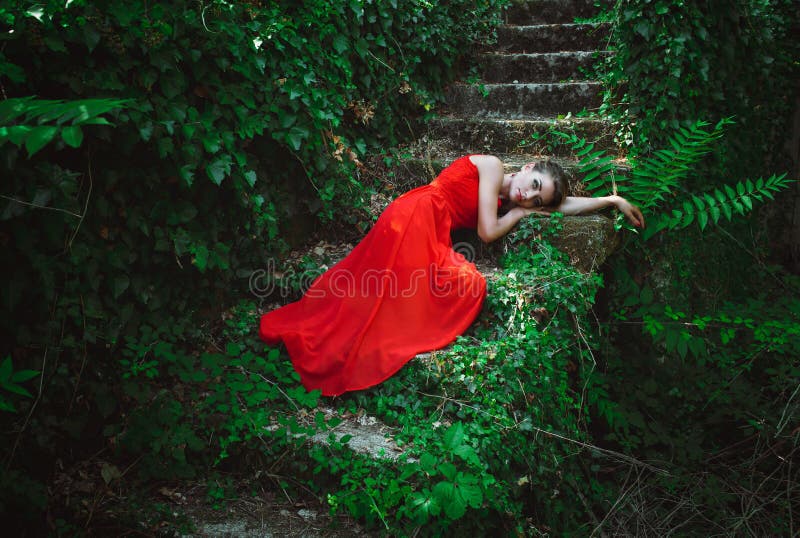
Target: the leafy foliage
pixel 236 129
pixel 662 178
pixel 677 61
pixel 24 121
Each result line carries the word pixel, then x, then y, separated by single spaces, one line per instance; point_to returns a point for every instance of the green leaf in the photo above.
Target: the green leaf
pixel 454 436
pixel 250 177
pixel 5 370
pixel 468 488
pixel 21 376
pixel 448 470
pixel 296 136
pixel 16 389
pixel 72 135
pixel 121 283
pixel 727 210
pixel 218 169
pixel 38 137
pixel 340 44
pixel 702 219
pixel 427 463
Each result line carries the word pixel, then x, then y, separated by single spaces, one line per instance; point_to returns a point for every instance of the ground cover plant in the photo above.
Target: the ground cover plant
pixel 156 156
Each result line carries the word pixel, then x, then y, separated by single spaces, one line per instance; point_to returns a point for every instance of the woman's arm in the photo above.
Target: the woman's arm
pixel 576 205
pixel 490 174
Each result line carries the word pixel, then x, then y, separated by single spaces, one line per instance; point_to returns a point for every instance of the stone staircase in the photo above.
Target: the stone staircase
pixel 532 79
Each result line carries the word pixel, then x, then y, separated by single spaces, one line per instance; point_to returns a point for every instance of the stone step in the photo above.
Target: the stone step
pixel 552 37
pixel 539 67
pixel 522 101
pixel 421 167
pixel 491 135
pixel 548 11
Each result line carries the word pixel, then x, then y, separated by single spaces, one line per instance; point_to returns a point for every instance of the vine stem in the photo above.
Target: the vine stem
pixel 375 506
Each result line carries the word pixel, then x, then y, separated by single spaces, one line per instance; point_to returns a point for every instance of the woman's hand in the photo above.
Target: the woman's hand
pixel 633 213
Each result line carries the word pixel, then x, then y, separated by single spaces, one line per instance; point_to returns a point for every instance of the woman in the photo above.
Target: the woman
pixel 403 290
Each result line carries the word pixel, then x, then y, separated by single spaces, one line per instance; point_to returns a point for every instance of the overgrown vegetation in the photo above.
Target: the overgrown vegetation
pixel 235 122
pixel 157 154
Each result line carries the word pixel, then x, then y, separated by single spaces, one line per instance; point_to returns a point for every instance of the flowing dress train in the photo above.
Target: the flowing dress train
pixel 402 290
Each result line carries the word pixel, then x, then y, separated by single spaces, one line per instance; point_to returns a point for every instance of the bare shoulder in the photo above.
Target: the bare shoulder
pixel 486 162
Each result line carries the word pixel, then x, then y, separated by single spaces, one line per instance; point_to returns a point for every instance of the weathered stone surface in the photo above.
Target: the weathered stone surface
pixel 522 101
pixel 530 11
pixel 587 240
pixel 465 134
pixel 367 434
pixel 552 37
pixel 539 67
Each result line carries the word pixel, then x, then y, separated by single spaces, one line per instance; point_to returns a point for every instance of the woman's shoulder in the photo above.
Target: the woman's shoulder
pixel 487 166
pixel 485 161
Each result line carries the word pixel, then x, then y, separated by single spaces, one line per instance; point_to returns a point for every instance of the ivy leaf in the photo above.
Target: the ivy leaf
pixel 72 135
pixel 250 177
pixel 296 136
pixel 644 29
pixel 218 169
pixel 339 44
pixel 121 284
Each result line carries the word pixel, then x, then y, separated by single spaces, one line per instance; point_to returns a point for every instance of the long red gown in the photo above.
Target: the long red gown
pixel 402 290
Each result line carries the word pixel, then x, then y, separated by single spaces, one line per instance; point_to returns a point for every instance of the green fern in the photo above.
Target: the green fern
pixel 656 178
pixel 712 206
pixel 597 169
pixel 33 123
pixel 655 181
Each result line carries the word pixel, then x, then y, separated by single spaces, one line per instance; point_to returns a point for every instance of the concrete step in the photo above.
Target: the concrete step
pixel 539 67
pixel 548 11
pixel 552 37
pixel 490 135
pixel 522 101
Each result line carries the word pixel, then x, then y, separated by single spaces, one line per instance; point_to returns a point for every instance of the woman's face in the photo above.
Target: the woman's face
pixel 531 188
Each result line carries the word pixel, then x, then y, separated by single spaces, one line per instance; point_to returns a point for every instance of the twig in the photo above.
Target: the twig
pixel 38 206
pixel 85 205
pixel 30 412
pixel 610 453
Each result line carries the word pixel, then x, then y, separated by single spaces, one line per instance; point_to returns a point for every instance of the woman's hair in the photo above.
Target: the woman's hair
pixel 559 177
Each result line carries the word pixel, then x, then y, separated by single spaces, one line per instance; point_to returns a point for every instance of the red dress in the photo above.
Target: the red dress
pixel 402 290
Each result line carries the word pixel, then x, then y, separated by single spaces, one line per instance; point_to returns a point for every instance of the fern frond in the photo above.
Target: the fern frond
pixel 596 169
pixel 710 207
pixel 655 178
